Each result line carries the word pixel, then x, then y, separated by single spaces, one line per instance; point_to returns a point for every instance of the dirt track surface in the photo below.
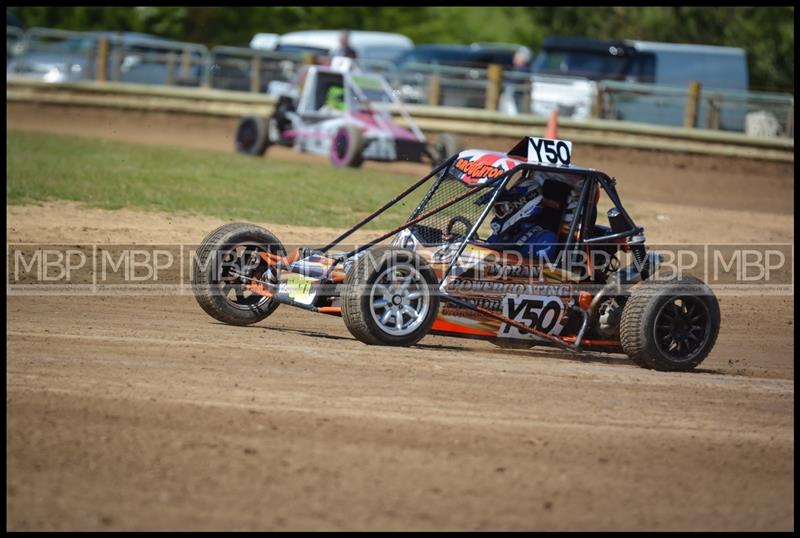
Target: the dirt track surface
pixel 144 413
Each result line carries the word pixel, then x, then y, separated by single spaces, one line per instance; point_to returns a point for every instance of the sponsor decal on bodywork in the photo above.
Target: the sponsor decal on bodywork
pixel 487 286
pixel 476 166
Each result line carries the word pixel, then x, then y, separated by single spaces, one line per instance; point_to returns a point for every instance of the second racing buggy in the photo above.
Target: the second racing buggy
pixel 342 113
pixel 444 271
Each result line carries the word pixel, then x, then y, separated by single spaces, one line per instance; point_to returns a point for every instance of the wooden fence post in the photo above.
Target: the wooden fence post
pixel 255 74
pixel 692 105
pixel 102 59
pixel 117 60
pixel 186 63
pixel 171 68
pixel 599 102
pixel 526 105
pixel 713 112
pixel 434 89
pixel 91 60
pixel 494 79
pixel 790 122
pixel 208 67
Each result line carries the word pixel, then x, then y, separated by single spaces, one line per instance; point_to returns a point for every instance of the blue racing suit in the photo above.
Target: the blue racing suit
pixel 529 239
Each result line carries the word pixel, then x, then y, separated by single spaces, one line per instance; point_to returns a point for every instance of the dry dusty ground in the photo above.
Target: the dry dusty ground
pixel 144 413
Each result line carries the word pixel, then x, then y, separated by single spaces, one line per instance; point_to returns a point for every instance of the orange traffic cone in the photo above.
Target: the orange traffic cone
pixel 552 126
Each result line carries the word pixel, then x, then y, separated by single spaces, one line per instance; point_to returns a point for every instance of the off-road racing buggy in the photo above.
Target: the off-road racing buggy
pixel 438 275
pixel 343 113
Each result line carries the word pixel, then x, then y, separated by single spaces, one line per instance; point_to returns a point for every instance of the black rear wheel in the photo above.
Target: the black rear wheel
pixel 670 325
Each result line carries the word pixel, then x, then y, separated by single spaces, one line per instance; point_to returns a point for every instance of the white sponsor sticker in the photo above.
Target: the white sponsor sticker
pixel 541 312
pixel 547 151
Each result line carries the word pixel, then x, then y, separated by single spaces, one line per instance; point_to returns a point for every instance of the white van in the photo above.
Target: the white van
pixel 566 72
pixel 368 45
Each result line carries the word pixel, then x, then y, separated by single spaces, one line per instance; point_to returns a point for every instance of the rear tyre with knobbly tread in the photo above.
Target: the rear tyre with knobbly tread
pixel 670 326
pixel 207 275
pixel 359 292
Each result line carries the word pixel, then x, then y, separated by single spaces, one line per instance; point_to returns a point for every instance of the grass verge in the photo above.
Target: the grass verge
pixel 112 175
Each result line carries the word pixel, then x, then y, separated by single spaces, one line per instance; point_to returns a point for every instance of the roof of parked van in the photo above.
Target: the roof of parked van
pixel 684 47
pixel 330 38
pixel 585 43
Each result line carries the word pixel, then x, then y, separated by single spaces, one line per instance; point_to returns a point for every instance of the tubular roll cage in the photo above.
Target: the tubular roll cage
pixel 588 192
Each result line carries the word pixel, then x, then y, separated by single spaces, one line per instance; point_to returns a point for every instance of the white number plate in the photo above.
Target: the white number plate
pixel 547 151
pixel 540 312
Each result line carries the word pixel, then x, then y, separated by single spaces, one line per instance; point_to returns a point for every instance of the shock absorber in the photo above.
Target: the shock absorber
pixel 636 244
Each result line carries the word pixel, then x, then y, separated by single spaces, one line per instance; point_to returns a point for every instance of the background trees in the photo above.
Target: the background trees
pixel 766 33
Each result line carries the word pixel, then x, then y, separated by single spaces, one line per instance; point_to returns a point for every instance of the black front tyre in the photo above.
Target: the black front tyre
pixel 223 264
pixel 252 136
pixel 671 325
pixel 390 297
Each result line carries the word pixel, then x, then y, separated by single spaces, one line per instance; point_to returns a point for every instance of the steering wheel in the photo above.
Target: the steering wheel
pixel 450 235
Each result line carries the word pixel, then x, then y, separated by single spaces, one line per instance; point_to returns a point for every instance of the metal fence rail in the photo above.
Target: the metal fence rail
pixel 243 69
pixel 755 113
pixel 431 119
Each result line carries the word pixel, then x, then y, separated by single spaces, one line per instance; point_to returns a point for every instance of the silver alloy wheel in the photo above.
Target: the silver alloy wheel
pixel 399 300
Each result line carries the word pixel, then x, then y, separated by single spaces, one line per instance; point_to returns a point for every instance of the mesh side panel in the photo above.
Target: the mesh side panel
pixel 434 229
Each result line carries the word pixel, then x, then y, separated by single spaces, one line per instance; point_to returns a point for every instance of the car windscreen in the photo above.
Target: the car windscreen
pixel 579 63
pixel 371 88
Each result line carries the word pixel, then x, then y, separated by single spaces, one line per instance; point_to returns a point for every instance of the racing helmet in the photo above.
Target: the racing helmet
pixel 516 206
pixel 334 97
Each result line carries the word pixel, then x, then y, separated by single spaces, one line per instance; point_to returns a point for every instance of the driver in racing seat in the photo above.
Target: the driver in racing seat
pixel 515 225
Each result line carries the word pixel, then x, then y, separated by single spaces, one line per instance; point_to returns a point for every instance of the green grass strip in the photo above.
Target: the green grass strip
pixel 112 175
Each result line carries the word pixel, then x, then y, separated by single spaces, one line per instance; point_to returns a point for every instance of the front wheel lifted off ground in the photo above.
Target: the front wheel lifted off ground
pixel 390 297
pixel 670 325
pixel 225 264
